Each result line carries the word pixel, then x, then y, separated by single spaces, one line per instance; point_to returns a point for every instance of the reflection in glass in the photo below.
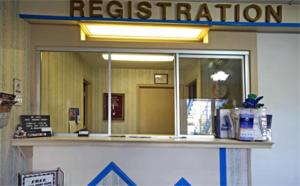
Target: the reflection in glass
pixel 205 85
pixel 198 116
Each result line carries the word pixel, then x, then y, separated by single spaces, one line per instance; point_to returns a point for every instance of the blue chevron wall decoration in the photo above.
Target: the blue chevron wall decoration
pixel 111 168
pixel 182 182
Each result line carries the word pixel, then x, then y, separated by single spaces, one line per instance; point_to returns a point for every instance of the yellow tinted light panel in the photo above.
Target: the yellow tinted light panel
pixel 143 31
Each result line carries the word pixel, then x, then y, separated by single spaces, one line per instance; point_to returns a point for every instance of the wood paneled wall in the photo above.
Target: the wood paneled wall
pixel 100 84
pixel 62 77
pixel 14 63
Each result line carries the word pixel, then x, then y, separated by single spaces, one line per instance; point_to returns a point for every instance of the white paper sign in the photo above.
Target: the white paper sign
pixel 43 179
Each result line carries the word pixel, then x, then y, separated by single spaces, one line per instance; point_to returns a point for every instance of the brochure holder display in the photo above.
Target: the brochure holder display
pixel 6 103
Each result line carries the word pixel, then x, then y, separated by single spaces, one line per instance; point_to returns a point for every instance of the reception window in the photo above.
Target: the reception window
pixel 145 92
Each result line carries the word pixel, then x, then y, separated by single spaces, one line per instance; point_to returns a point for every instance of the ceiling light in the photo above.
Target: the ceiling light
pixel 219 76
pixel 144 32
pixel 139 57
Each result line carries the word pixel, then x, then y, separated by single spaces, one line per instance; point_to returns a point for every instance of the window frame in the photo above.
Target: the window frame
pixel 178 53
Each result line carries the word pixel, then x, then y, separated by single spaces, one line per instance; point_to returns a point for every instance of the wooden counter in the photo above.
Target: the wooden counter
pixel 209 142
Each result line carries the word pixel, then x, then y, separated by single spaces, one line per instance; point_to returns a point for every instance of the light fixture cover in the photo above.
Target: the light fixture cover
pixel 219 76
pixel 144 32
pixel 139 57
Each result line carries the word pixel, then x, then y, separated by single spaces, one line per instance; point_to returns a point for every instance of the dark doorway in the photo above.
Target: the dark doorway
pixel 192 87
pixel 85 103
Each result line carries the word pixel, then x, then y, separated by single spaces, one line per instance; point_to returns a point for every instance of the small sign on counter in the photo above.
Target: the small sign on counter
pixel 46 178
pixel 33 126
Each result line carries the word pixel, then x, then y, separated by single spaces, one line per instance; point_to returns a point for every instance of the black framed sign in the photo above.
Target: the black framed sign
pixel 33 126
pixel 117 106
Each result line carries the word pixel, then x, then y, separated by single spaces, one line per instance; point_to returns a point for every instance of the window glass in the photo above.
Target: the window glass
pixel 142 93
pixel 75 91
pixel 205 85
pixel 72 85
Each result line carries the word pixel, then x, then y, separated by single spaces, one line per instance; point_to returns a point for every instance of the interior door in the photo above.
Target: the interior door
pixel 156 110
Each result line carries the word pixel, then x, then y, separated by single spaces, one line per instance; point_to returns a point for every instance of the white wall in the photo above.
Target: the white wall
pixel 147 164
pixel 278 80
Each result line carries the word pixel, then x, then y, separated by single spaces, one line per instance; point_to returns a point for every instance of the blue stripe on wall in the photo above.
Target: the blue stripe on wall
pixel 207 23
pixel 223 171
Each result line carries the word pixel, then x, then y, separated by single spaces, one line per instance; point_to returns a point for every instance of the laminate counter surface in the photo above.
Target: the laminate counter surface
pixel 202 142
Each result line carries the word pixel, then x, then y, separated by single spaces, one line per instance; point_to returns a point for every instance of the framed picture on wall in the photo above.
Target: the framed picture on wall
pixel 160 78
pixel 117 106
pixel 74 115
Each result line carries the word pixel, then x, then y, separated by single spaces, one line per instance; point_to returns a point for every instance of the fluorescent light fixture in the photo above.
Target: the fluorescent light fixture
pixel 219 76
pixel 139 57
pixel 146 32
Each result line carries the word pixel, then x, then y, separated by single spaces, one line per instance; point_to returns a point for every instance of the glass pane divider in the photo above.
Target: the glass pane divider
pixel 247 75
pixel 109 130
pixel 177 98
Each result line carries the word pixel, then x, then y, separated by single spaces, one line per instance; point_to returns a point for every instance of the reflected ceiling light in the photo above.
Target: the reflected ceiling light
pixel 139 57
pixel 143 32
pixel 219 76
